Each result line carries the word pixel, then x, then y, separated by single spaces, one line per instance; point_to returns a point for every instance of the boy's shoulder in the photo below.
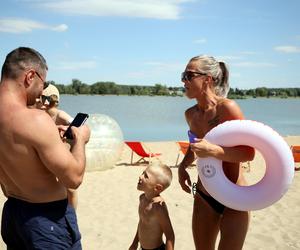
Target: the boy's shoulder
pixel 159 204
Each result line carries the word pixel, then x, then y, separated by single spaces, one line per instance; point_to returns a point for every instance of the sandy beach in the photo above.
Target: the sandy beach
pixel 108 201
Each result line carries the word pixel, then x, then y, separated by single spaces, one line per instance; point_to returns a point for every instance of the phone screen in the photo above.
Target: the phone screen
pixel 79 120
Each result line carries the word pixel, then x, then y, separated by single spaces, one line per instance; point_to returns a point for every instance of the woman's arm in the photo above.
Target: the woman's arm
pixel 204 148
pixel 228 110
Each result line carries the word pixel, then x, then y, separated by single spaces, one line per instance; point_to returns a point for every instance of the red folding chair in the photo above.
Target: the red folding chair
pixel 138 148
pixel 183 147
pixel 296 155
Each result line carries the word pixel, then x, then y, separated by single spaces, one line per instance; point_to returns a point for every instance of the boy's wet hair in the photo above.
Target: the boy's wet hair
pixel 163 174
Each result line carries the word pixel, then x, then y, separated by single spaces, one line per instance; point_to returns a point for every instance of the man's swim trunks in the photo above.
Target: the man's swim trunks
pixel 51 225
pixel 162 247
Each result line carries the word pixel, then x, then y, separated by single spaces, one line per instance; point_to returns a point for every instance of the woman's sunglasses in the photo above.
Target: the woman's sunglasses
pixel 189 75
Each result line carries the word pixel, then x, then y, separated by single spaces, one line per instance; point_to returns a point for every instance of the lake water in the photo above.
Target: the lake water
pixel 146 118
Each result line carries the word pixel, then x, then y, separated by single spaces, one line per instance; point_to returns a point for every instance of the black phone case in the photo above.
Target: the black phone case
pixel 79 120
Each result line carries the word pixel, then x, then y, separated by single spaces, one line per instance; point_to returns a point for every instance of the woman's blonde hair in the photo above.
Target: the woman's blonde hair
pixel 218 71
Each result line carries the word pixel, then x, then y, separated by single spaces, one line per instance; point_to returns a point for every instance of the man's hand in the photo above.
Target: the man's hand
pixel 62 129
pixel 83 132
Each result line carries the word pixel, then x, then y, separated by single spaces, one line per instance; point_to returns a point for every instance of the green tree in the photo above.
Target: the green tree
pixel 262 92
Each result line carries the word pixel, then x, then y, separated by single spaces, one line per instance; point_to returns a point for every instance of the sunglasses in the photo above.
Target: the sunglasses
pixel 45 98
pixel 189 75
pixel 46 84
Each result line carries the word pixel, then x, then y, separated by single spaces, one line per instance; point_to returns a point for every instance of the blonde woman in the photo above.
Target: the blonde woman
pixel 206 80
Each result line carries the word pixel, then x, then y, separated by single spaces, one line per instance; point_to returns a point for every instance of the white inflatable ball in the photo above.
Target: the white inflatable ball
pixel 106 143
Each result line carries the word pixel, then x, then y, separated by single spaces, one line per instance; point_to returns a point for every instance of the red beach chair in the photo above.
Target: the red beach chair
pixel 138 148
pixel 296 154
pixel 183 147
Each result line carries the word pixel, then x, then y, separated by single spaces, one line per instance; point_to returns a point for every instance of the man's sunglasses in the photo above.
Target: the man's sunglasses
pixel 46 84
pixel 45 98
pixel 189 75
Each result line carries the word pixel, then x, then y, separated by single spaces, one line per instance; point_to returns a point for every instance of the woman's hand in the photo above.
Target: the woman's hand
pixel 184 179
pixel 203 148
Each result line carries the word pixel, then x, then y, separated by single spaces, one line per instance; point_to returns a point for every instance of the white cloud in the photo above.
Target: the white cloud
pixel 248 53
pixel 157 69
pixel 60 28
pixel 228 58
pixel 235 75
pixel 254 64
pixel 200 41
pixel 165 66
pixel 288 49
pixel 157 9
pixel 18 25
pixel 76 65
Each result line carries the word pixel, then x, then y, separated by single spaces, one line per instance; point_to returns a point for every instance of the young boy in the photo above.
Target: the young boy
pixel 154 220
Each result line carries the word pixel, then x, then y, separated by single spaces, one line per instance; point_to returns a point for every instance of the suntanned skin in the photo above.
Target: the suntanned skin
pixel 35 165
pixel 60 117
pixel 210 111
pixel 154 220
pixel 153 217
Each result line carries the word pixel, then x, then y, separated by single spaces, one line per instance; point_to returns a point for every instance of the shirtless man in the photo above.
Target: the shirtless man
pixel 35 166
pixel 154 220
pixel 206 80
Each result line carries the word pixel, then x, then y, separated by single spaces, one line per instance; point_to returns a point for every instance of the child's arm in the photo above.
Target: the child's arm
pixel 166 226
pixel 134 244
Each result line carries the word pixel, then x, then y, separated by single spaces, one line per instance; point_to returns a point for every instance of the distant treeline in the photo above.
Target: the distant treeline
pixel 111 88
pixel 264 92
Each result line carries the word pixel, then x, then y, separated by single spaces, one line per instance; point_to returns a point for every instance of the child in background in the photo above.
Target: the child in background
pixel 154 220
pixel 49 102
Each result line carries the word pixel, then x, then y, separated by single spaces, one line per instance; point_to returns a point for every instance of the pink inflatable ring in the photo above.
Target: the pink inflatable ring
pixel 277 155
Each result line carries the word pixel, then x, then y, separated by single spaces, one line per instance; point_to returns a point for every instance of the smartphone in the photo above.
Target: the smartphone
pixel 79 120
pixel 192 136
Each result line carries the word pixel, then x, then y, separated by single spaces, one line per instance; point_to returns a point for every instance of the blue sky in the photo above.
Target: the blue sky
pixel 146 42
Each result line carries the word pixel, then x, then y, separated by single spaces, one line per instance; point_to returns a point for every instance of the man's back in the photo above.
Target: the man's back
pixel 22 172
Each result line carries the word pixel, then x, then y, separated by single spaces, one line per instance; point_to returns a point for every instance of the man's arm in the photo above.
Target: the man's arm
pixel 67 166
